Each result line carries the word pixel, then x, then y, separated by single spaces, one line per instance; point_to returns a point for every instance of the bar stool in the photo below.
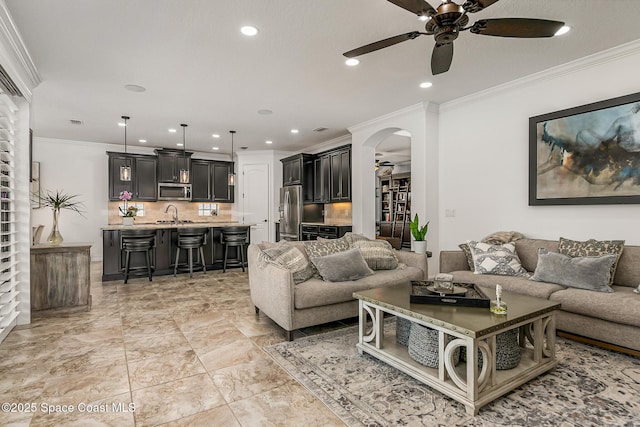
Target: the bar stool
pixel 137 241
pixel 236 237
pixel 190 239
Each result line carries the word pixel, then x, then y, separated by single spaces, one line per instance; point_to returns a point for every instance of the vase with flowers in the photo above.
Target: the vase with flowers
pixel 128 212
pixel 57 201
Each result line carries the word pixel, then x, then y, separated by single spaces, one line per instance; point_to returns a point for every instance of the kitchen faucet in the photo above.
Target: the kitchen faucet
pixel 175 215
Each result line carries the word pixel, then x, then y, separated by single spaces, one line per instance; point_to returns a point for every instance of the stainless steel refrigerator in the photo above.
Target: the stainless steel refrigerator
pixel 290 212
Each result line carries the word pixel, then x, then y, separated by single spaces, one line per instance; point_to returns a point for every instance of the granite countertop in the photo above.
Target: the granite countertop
pixel 159 226
pixel 330 224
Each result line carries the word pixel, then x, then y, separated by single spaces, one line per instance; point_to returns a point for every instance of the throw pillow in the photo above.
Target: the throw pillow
pixel 590 272
pixel 342 266
pixel 378 254
pixel 467 253
pixel 354 237
pixel 496 259
pixel 500 237
pixel 291 258
pixel 592 247
pixel 318 248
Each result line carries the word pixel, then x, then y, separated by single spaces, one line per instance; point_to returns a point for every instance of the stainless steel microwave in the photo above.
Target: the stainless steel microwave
pixel 174 191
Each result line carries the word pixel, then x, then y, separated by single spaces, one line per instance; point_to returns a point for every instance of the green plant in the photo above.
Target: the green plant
pixel 60 200
pixel 419 233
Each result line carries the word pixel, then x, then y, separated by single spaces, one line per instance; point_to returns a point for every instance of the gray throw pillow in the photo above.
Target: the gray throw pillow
pixel 378 254
pixel 291 258
pixel 342 266
pixel 496 259
pixel 592 247
pixel 590 273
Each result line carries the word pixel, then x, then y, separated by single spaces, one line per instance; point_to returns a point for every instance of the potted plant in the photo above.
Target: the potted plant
pixel 57 201
pixel 419 234
pixel 128 212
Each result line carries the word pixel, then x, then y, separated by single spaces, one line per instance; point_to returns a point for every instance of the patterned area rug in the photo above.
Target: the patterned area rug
pixel 590 387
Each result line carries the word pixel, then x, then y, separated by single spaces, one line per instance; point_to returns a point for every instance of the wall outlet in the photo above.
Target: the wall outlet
pixel 450 213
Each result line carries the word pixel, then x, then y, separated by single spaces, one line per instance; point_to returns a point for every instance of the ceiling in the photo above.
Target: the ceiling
pixel 199 69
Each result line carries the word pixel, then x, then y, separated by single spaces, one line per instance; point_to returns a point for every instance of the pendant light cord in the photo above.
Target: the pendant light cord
pixel 232 132
pixel 125 118
pixel 184 141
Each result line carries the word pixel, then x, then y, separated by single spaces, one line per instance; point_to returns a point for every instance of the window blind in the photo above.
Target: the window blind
pixel 8 242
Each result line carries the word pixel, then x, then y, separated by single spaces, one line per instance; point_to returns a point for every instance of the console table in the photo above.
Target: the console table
pixel 60 278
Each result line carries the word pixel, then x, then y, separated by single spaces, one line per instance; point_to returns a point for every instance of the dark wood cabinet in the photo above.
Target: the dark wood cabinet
pixel 308 180
pixel 143 184
pixel 170 162
pixel 110 253
pixel 321 181
pixel 340 181
pixel 200 180
pixel 292 170
pixel 312 232
pixel 221 190
pixel 163 250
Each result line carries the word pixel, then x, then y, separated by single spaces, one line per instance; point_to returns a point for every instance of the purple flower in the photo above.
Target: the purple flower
pixel 125 195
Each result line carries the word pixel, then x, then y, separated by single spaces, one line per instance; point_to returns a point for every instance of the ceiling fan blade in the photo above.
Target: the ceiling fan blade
pixel 419 7
pixel 380 44
pixel 516 27
pixel 473 6
pixel 441 58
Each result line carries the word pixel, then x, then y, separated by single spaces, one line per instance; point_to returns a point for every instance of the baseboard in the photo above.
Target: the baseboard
pixel 601 344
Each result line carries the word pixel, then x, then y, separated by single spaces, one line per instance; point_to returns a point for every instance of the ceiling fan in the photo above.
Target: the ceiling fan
pixel 446 22
pixel 382 163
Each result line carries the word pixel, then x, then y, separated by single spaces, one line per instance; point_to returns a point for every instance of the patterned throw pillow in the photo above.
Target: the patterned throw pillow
pixel 291 258
pixel 496 259
pixel 467 253
pixel 318 248
pixel 500 237
pixel 378 254
pixel 352 238
pixel 592 247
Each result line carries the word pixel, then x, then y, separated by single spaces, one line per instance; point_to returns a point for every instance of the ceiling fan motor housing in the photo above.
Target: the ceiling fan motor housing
pixel 445 25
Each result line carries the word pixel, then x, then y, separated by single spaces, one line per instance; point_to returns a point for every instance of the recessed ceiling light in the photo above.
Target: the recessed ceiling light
pixel 122 124
pixel 179 144
pixel 294 130
pixel 135 88
pixel 215 135
pixel 142 140
pixel 172 130
pixel 425 85
pixel 265 112
pixel 268 142
pixel 215 148
pixel 352 62
pixel 564 30
pixel 249 30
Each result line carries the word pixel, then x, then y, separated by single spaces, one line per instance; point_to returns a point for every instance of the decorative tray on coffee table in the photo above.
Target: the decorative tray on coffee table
pixel 463 294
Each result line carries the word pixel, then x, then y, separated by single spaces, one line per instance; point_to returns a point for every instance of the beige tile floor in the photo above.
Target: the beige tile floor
pixel 172 352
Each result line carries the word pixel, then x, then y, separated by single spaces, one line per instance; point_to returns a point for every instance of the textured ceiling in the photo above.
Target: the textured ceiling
pixel 198 69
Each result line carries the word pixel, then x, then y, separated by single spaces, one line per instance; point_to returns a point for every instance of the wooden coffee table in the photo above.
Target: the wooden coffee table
pixel 471 327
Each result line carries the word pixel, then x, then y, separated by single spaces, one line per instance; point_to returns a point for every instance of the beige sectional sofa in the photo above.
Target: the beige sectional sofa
pixel 608 317
pixel 314 301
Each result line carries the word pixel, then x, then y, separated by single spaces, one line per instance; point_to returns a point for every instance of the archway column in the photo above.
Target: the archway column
pixel 421 121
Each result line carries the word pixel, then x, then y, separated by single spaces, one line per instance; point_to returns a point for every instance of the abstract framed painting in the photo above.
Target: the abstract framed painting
pixel 587 155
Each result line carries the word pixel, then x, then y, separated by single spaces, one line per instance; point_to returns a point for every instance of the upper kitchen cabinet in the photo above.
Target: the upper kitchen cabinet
pixel 293 169
pixel 143 184
pixel 340 181
pixel 210 181
pixel 170 162
pixel 321 181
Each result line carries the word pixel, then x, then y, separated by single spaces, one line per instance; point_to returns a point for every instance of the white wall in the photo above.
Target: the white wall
pixel 484 155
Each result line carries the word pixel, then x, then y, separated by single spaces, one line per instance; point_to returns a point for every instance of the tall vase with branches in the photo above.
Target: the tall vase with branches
pixel 56 201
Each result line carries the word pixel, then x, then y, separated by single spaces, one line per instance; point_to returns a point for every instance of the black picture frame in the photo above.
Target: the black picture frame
pixel 586 155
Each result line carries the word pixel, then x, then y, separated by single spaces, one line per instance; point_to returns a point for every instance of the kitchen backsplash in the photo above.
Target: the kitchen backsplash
pixel 155 211
pixel 338 213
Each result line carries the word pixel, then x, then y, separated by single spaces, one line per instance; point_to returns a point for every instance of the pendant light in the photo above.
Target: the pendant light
pixel 125 170
pixel 184 173
pixel 232 175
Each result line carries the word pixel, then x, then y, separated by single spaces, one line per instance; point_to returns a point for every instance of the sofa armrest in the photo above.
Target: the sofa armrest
pixel 413 259
pixel 272 289
pixel 453 261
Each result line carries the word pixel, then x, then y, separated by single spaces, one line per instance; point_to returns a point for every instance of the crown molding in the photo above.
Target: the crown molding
pixel 594 60
pixel 419 107
pixel 20 67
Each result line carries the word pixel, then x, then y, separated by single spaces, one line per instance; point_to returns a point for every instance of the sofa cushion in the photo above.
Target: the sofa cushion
pixel 496 259
pixel 315 292
pixel 590 272
pixel 627 272
pixel 378 254
pixel 527 250
pixel 342 266
pixel 620 306
pixel 291 258
pixel 592 247
pixel 517 284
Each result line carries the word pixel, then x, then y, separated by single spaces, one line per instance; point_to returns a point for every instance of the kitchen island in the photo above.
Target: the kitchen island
pixel 164 253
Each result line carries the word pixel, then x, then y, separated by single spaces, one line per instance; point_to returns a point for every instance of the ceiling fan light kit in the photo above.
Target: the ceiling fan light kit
pixel 449 19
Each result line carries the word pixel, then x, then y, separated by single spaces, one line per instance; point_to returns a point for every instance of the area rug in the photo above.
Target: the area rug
pixel 590 387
